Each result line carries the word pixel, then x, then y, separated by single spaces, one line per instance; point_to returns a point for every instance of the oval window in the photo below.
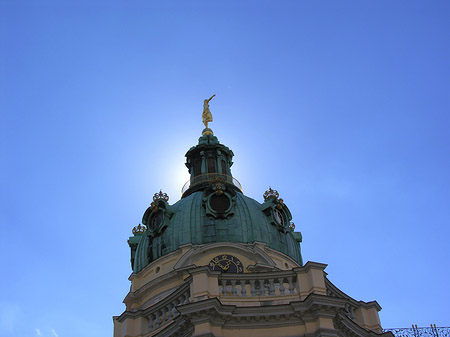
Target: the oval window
pixel 219 203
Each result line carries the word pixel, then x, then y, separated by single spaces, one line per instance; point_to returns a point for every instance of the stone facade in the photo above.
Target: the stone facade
pixel 178 295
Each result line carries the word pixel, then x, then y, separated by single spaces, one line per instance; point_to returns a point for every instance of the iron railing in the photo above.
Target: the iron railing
pixel 210 177
pixel 415 331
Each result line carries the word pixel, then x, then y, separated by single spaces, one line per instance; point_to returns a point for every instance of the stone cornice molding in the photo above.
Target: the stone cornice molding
pixel 214 312
pixel 319 301
pixel 170 298
pixel 146 288
pixel 310 265
pixel 201 270
pixel 333 291
pixel 276 252
pixel 255 249
pixel 231 316
pixel 179 328
pixel 351 329
pixel 153 264
pixel 323 333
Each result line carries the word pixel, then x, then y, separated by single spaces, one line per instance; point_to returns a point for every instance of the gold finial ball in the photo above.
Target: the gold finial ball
pixel 207 131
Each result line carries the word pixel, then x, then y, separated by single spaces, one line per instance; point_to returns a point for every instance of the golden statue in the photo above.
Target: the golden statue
pixel 207 116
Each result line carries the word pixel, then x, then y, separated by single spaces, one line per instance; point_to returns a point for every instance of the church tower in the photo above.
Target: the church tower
pixel 218 263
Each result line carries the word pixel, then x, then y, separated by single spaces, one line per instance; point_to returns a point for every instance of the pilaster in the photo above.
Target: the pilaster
pixel 311 279
pixel 205 284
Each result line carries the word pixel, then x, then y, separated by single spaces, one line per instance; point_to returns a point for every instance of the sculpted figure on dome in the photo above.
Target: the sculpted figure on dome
pixel 207 116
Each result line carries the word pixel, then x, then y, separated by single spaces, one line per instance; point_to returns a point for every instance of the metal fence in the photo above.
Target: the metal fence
pixel 414 331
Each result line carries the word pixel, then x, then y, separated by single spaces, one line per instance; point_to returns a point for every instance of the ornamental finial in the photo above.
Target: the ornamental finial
pixel 160 195
pixel 139 229
pixel 270 193
pixel 207 116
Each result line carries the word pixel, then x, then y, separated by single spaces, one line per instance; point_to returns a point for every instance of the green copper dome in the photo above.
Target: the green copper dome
pixel 212 209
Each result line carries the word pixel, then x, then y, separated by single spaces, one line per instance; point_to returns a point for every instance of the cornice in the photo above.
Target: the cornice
pixel 352 329
pixel 142 291
pixel 333 291
pixel 231 316
pixel 310 265
pixel 145 312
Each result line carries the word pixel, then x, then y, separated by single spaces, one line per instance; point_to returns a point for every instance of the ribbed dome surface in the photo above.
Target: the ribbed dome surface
pixel 212 209
pixel 190 224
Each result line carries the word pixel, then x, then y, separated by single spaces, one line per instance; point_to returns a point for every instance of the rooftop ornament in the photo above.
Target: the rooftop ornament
pixel 157 197
pixel 207 116
pixel 270 193
pixel 160 195
pixel 139 229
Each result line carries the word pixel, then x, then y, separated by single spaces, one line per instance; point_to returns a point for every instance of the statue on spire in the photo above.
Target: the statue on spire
pixel 207 116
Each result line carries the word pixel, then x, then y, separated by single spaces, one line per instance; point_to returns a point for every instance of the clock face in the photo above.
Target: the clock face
pixel 226 264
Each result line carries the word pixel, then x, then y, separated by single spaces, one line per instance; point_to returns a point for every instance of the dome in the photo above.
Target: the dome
pixel 213 209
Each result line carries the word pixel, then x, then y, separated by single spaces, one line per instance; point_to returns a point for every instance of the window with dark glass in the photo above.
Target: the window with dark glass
pixel 197 167
pixel 224 167
pixel 211 165
pixel 219 203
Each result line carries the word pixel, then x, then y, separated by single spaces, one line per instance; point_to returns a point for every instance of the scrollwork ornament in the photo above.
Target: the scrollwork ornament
pixel 280 204
pixel 217 184
pixel 219 188
pixel 218 179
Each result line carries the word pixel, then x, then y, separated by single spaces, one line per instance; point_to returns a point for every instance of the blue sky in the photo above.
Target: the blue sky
pixel 342 106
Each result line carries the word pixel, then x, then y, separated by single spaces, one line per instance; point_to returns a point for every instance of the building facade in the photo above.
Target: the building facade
pixel 218 263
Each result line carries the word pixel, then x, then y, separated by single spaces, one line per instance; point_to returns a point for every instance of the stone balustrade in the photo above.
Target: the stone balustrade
pixel 166 310
pixel 258 284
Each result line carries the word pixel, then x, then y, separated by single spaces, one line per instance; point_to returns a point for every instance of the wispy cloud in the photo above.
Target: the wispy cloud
pixel 38 332
pixel 54 333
